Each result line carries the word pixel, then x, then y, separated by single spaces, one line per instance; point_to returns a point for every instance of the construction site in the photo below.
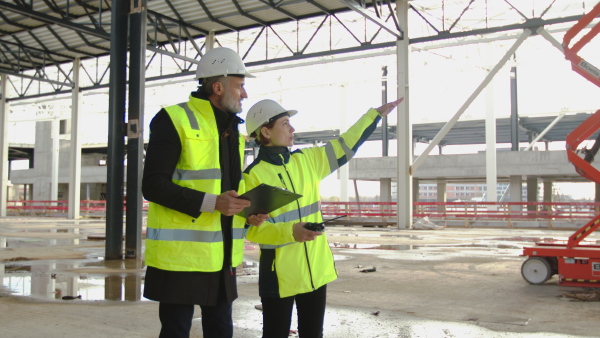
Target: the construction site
pixel 467 232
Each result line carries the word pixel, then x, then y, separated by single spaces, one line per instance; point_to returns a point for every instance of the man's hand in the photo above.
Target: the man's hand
pixel 388 107
pixel 229 205
pixel 301 234
pixel 257 220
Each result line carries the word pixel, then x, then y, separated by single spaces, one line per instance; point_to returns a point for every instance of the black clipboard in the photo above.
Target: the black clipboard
pixel 266 198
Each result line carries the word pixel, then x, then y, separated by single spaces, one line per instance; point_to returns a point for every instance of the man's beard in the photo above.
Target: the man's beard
pixel 230 104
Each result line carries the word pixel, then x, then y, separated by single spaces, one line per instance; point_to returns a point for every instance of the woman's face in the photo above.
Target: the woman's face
pixel 282 133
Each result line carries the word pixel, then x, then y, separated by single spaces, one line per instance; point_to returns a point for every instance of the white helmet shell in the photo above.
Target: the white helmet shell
pixel 261 112
pixel 221 61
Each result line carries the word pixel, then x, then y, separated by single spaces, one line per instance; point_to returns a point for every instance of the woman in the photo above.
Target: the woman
pixel 296 263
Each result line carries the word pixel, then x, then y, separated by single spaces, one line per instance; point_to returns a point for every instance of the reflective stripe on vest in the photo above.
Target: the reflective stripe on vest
pixel 292 215
pixel 191 235
pixel 332 157
pixel 188 175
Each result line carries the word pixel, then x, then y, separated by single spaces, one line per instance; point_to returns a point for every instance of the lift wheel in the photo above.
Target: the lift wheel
pixel 536 270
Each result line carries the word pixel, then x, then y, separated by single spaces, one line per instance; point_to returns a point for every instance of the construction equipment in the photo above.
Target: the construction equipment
pixel 575 263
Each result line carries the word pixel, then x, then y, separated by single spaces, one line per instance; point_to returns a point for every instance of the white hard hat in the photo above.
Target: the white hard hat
pixel 221 61
pixel 262 112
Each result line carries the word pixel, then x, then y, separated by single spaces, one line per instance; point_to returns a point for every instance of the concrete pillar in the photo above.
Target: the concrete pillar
pixel 55 152
pixel 385 190
pixel 516 185
pixel 548 193
pixel 404 128
pixel 415 190
pixel 3 145
pixel 532 192
pixel 75 147
pixel 344 171
pixel 442 185
pixel 491 179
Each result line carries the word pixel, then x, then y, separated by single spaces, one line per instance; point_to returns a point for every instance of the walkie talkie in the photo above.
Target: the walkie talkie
pixel 319 227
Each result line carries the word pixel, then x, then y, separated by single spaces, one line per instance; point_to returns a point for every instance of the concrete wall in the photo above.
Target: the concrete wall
pixel 550 164
pixel 93 176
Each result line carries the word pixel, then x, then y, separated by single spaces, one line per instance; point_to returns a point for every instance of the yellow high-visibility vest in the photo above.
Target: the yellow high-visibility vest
pixel 288 267
pixel 176 241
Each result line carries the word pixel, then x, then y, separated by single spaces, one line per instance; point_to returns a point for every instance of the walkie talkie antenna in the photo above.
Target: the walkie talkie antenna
pixel 333 219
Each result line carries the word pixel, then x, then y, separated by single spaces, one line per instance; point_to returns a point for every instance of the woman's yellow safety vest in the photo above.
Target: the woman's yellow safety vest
pixel 176 241
pixel 287 267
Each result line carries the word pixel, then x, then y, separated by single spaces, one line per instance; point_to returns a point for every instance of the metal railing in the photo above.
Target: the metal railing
pixel 385 212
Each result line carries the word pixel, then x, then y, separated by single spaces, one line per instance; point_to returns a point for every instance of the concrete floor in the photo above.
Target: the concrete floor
pixel 453 282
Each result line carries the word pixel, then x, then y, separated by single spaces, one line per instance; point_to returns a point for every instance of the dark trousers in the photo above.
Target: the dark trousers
pixel 277 314
pixel 176 320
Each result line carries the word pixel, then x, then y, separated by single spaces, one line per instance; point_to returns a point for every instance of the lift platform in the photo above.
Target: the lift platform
pixel 576 262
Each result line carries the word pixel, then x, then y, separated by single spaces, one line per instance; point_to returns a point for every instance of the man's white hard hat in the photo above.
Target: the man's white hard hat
pixel 262 112
pixel 221 61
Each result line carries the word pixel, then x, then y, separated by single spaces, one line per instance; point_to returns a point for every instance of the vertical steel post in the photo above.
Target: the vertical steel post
pixel 514 110
pixel 116 121
pixel 384 122
pixel 135 139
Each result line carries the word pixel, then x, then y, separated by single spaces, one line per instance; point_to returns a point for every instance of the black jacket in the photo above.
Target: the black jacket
pixel 162 155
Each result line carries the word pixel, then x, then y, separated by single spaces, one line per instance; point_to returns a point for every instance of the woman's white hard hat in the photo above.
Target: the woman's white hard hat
pixel 221 61
pixel 263 111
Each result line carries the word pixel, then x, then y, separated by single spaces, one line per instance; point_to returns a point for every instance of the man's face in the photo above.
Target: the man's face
pixel 232 94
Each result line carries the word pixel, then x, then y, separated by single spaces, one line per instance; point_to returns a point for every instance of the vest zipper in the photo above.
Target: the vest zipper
pixel 312 284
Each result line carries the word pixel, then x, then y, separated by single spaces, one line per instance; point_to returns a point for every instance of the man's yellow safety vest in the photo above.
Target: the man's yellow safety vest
pixel 176 241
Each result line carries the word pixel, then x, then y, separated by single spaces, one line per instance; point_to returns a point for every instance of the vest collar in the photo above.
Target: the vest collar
pixel 277 155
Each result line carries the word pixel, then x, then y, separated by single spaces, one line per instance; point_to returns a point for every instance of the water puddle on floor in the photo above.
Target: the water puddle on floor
pixel 372 246
pixel 92 280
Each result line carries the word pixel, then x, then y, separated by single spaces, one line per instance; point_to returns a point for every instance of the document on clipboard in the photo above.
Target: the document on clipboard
pixel 266 198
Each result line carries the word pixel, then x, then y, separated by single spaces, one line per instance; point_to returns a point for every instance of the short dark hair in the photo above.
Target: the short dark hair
pixel 206 84
pixel 261 141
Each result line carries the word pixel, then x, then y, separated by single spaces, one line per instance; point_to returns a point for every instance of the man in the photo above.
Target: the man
pixel 192 173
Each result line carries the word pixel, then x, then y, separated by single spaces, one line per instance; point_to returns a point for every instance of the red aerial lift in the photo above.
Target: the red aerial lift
pixel 575 263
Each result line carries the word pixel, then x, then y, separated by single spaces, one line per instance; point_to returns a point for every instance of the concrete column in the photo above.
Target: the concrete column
pixel 441 194
pixel 3 145
pixel 516 185
pixel 415 190
pixel 548 192
pixel 404 128
pixel 385 190
pixel 75 150
pixel 491 174
pixel 344 171
pixel 532 191
pixel 55 151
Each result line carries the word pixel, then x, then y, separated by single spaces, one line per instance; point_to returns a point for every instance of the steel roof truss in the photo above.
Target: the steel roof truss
pixel 66 46
pixel 27 11
pixel 212 18
pixel 424 19
pixel 346 28
pixel 361 9
pixel 276 7
pixel 243 13
pixel 315 33
pixel 182 27
pixel 319 6
pixel 460 16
